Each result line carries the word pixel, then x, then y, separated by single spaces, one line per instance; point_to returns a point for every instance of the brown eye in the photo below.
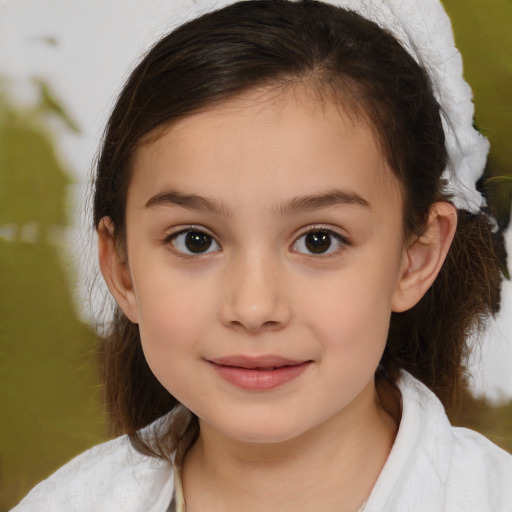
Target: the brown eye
pixel 194 242
pixel 320 241
pixel 197 242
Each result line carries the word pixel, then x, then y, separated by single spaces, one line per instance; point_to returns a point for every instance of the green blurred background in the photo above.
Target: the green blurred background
pixel 483 33
pixel 49 391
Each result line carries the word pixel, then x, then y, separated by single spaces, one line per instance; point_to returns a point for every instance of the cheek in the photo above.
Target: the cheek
pixel 352 330
pixel 170 338
pixel 174 315
pixel 170 302
pixel 351 311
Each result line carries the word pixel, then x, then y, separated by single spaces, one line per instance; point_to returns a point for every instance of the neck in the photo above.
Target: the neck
pixel 331 467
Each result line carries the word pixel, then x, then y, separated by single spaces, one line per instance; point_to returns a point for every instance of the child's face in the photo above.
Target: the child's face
pixel 266 232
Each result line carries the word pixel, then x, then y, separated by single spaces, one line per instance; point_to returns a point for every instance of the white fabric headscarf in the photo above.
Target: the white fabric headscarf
pixel 424 30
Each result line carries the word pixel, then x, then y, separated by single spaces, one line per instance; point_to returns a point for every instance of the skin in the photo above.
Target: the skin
pixel 258 290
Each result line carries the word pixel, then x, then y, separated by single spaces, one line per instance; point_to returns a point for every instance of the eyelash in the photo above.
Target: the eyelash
pixel 340 239
pixel 171 238
pixel 343 242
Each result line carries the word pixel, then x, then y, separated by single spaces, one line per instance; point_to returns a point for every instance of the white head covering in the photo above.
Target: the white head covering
pixel 424 30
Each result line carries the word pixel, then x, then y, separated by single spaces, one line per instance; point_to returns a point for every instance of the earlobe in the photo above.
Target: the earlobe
pixel 425 257
pixel 115 271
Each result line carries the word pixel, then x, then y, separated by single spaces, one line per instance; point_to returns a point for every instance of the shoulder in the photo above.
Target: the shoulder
pixel 481 473
pixel 434 466
pixel 111 477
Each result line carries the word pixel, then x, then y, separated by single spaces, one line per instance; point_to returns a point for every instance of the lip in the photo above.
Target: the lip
pixel 258 373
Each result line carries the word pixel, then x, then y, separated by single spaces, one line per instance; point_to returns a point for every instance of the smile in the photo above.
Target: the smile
pixel 258 374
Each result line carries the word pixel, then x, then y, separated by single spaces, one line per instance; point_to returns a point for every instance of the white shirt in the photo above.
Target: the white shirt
pixel 432 467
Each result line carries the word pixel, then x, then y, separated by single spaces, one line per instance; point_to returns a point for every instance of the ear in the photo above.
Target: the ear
pixel 425 256
pixel 115 271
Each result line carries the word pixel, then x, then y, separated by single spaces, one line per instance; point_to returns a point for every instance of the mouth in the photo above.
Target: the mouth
pixel 260 373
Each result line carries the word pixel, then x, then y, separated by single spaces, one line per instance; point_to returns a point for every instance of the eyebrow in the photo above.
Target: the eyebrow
pixel 189 201
pixel 322 200
pixel 294 205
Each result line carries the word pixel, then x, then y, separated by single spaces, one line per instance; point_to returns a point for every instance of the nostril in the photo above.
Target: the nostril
pixel 272 325
pixel 269 325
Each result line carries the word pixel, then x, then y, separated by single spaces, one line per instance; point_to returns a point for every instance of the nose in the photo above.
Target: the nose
pixel 255 296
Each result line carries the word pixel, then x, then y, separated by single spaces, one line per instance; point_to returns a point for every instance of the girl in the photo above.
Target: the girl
pixel 287 220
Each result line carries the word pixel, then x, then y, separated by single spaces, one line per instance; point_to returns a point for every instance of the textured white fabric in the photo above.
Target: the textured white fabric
pixel 424 30
pixel 111 477
pixel 436 467
pixel 432 467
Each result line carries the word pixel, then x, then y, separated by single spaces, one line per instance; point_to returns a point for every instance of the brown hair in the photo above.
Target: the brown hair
pixel 276 43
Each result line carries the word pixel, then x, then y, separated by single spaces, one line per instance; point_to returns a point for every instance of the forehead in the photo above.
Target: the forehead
pixel 268 144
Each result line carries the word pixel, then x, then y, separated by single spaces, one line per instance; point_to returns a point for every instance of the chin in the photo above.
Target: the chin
pixel 258 431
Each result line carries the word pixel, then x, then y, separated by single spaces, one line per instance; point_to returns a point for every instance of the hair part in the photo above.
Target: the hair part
pixel 341 57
